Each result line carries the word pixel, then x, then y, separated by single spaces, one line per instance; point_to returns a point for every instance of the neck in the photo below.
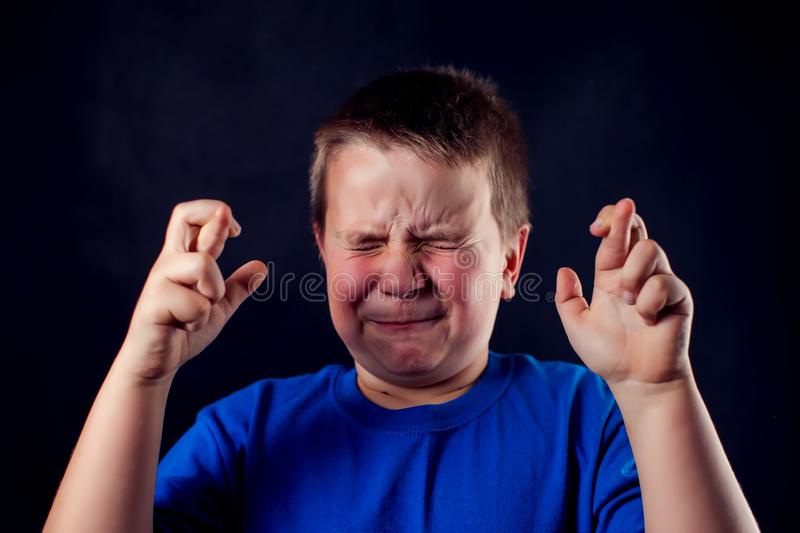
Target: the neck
pixel 391 396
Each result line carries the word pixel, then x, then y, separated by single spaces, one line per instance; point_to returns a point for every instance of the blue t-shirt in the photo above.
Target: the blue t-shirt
pixel 533 445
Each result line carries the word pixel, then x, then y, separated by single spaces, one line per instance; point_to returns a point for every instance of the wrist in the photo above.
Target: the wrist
pixel 644 394
pixel 125 369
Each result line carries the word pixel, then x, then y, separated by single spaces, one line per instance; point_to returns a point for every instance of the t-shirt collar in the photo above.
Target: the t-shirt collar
pixel 426 418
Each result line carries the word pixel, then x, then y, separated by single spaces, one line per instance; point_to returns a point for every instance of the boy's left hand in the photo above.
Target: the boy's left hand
pixel 646 342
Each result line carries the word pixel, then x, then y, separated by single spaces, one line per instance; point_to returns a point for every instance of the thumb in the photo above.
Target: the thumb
pixel 570 302
pixel 242 284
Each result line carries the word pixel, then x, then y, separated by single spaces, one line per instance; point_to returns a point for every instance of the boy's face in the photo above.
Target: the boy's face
pixel 407 242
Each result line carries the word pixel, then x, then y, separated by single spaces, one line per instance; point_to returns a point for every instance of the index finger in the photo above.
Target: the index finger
pixel 186 220
pixel 616 244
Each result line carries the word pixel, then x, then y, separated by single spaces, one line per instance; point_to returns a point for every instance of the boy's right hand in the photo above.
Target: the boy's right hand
pixel 185 302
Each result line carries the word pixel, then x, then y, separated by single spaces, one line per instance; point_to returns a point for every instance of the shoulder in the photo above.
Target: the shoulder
pixel 228 424
pixel 251 402
pixel 560 385
pixel 557 376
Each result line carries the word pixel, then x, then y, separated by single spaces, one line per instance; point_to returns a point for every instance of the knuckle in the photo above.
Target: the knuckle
pixel 155 288
pixel 179 208
pixel 659 284
pixel 203 306
pixel 201 263
pixel 630 281
pixel 198 323
pixel 197 309
pixel 647 246
pixel 207 270
pixel 207 261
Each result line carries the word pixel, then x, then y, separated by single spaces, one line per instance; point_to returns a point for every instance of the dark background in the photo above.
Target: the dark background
pixel 115 111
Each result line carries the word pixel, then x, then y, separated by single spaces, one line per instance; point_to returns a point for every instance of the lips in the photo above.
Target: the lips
pixel 413 326
pixel 410 321
pixel 395 320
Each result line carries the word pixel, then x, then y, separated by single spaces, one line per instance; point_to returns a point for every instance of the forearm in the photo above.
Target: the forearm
pixel 109 483
pixel 686 480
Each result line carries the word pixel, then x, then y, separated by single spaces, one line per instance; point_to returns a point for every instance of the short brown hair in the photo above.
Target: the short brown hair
pixel 446 116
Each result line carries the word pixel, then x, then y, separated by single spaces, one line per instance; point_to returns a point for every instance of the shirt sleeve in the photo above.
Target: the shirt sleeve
pixel 197 486
pixel 617 498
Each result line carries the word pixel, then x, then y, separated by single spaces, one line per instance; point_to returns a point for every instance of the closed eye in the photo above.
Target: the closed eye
pixel 437 246
pixel 442 246
pixel 365 248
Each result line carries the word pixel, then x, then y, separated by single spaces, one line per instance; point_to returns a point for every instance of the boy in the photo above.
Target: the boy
pixel 419 210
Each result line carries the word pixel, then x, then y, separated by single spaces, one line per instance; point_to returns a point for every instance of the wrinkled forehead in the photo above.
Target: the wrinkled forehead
pixel 370 187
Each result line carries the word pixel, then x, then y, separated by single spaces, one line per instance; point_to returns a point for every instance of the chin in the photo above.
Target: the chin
pixel 408 361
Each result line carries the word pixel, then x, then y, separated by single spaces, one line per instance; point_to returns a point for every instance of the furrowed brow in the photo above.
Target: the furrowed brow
pixel 434 233
pixel 439 232
pixel 441 235
pixel 359 236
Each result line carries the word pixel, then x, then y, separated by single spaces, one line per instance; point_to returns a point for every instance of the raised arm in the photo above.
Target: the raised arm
pixel 109 482
pixel 635 335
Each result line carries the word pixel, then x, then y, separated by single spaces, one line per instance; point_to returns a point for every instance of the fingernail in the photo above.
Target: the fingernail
pixel 597 223
pixel 628 297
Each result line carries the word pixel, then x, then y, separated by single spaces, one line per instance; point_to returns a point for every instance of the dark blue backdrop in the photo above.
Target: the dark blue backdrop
pixel 118 110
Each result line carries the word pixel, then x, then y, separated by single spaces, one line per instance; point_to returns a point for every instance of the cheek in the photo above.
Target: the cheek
pixel 466 280
pixel 347 285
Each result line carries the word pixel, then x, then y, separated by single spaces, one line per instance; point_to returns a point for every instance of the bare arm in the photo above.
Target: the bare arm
pixel 109 484
pixel 636 335
pixel 686 480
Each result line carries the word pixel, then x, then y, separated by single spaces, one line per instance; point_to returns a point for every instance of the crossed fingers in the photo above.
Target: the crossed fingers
pixel 647 280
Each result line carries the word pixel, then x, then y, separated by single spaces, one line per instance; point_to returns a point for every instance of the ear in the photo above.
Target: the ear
pixel 514 254
pixel 318 238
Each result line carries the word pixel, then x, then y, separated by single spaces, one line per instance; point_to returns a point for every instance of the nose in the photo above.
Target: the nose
pixel 401 275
